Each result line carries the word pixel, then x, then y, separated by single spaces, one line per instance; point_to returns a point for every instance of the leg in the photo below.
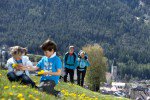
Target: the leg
pixel 71 73
pixel 83 75
pixel 12 76
pixel 48 87
pixel 26 80
pixel 78 77
pixel 66 74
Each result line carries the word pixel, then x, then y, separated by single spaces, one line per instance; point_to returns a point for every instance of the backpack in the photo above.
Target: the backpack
pixel 66 57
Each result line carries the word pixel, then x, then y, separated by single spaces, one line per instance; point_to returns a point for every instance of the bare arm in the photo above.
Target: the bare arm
pixel 29 68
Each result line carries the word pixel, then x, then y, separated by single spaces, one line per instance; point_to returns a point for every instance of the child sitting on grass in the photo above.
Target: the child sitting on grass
pixel 51 64
pixel 15 66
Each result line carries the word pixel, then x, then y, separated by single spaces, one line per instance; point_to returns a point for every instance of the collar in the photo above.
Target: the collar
pixel 53 55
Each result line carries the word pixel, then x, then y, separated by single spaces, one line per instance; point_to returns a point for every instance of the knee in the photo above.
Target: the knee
pixel 12 76
pixel 26 79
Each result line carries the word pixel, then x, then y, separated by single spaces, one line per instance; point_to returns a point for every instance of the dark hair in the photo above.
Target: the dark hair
pixel 49 45
pixel 25 51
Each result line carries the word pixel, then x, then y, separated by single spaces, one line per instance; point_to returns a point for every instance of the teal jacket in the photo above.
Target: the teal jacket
pixel 82 64
pixel 70 61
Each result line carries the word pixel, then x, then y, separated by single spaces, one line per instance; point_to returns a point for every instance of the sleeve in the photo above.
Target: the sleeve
pixel 9 66
pixel 58 64
pixel 40 64
pixel 64 58
pixel 78 62
pixel 88 63
pixel 29 63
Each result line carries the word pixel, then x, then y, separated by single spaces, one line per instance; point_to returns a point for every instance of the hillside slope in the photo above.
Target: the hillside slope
pixel 15 91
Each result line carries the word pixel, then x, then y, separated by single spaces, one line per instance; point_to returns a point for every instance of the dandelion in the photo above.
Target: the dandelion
pixel 21 99
pixel 82 95
pixel 14 65
pixel 35 91
pixel 31 96
pixel 13 86
pixel 95 98
pixel 2 98
pixel 63 91
pixel 10 93
pixel 0 75
pixel 41 72
pixel 19 86
pixel 24 86
pixel 73 94
pixel 36 99
pixel 66 93
pixel 6 87
pixel 20 95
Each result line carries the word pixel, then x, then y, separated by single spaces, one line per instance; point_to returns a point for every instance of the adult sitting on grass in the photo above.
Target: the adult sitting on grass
pixel 15 66
pixel 50 65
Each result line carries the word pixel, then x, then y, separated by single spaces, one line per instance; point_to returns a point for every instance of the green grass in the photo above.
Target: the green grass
pixel 15 91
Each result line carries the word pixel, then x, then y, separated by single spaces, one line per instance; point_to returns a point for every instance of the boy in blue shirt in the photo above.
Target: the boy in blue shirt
pixel 51 64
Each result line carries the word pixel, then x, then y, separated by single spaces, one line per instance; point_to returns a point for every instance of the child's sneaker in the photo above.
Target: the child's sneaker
pixel 60 95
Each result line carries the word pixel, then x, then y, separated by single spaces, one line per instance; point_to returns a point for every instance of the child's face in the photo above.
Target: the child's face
pixel 17 56
pixel 49 53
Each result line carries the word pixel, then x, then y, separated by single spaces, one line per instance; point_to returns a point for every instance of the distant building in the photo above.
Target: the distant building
pixel 118 85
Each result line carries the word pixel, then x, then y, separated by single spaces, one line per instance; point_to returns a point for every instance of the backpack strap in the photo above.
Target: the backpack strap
pixel 66 57
pixel 74 57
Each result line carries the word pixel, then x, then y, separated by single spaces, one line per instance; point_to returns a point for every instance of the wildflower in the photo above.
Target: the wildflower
pixel 19 86
pixel 20 95
pixel 10 93
pixel 63 91
pixel 0 75
pixel 82 95
pixel 41 72
pixel 21 99
pixel 35 91
pixel 6 87
pixel 14 65
pixel 24 86
pixel 13 86
pixel 2 98
pixel 31 96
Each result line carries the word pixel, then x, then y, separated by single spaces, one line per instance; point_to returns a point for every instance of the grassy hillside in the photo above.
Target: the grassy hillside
pixel 15 91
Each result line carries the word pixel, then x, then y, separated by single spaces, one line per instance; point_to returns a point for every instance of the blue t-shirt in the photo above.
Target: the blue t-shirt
pixel 50 64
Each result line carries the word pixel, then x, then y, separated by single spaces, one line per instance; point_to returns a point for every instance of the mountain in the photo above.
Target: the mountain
pixel 121 27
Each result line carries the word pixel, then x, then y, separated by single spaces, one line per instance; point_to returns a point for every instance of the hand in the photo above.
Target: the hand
pixel 23 68
pixel 20 65
pixel 47 73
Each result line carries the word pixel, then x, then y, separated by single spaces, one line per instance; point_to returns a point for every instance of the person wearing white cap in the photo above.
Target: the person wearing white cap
pixel 83 63
pixel 70 61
